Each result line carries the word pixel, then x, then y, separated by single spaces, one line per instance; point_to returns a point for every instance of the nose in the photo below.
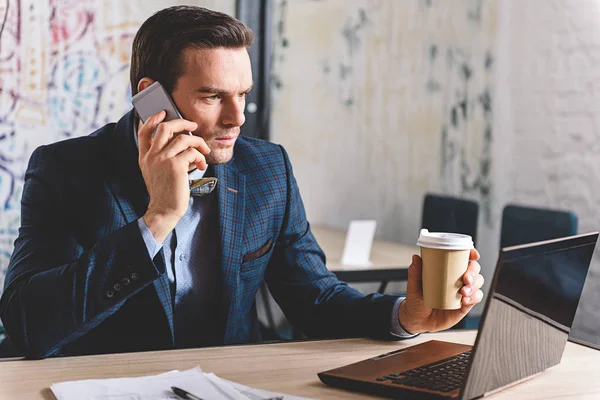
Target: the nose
pixel 233 113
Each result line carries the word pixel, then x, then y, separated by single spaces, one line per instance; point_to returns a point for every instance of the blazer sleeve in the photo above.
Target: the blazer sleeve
pixel 311 296
pixel 56 289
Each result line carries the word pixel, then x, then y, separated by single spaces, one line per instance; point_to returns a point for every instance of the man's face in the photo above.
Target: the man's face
pixel 212 92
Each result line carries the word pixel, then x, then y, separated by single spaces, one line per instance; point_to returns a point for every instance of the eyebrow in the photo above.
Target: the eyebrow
pixel 214 90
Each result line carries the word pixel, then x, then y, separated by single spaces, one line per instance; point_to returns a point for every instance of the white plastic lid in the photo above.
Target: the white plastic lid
pixel 443 240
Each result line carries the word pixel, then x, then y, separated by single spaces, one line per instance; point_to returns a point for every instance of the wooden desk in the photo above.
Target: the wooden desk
pixel 390 261
pixel 285 367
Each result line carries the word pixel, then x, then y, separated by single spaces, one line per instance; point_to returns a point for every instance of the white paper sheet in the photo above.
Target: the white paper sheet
pixel 158 387
pixel 251 393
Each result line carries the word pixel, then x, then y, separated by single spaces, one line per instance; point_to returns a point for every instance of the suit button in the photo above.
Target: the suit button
pixel 125 281
pixel 117 287
pixel 135 276
pixel 109 293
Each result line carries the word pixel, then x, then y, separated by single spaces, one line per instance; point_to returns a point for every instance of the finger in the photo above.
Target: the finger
pixel 474 268
pixel 145 132
pixel 474 255
pixel 465 308
pixel 166 130
pixel 184 142
pixel 415 277
pixel 472 300
pixel 193 156
pixel 472 271
pixel 468 290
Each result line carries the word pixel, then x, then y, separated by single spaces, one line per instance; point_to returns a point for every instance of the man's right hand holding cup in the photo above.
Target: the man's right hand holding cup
pixel 443 284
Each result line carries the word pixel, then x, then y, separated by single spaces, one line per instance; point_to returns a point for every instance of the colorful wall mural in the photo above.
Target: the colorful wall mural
pixel 64 72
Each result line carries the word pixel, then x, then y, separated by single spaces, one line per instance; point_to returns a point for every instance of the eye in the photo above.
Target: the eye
pixel 213 97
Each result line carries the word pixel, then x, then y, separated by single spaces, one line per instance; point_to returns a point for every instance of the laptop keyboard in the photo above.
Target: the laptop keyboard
pixel 442 376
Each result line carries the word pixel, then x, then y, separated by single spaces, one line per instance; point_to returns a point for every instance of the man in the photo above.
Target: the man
pixel 114 254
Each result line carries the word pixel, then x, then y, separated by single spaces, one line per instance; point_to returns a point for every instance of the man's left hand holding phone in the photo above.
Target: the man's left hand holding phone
pixel 165 157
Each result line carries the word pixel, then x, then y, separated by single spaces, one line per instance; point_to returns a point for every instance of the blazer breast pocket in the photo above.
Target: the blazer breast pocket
pixel 253 255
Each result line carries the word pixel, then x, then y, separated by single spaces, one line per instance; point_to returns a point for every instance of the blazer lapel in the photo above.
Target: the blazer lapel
pixel 232 195
pixel 129 189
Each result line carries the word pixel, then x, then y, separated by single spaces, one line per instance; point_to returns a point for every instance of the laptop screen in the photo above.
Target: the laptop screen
pixel 529 312
pixel 546 283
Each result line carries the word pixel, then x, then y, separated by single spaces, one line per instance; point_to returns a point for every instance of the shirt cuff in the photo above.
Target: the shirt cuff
pixel 151 244
pixel 396 329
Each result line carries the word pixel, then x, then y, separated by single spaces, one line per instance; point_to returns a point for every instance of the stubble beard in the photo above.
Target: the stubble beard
pixel 219 156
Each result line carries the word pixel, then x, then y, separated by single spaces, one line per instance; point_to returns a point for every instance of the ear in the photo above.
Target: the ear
pixel 144 83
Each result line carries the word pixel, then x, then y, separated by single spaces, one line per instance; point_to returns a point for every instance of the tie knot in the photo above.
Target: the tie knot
pixel 202 187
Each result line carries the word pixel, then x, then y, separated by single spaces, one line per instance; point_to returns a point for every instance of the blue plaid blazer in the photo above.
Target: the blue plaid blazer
pixel 80 280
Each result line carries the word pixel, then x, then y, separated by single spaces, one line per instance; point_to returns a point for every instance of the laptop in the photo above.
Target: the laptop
pixel 586 325
pixel 523 331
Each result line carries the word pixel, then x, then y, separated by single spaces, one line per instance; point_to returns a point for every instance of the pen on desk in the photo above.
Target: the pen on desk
pixel 184 394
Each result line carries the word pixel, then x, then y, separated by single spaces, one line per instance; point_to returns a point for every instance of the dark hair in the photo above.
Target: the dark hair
pixel 160 41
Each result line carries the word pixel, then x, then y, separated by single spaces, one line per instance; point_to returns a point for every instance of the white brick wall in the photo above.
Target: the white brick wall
pixel 554 79
pixel 555 99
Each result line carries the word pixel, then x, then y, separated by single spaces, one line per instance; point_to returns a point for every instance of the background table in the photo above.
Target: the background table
pixel 389 260
pixel 285 367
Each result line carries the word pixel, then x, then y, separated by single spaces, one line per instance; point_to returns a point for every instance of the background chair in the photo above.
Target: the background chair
pixel 273 324
pixel 523 224
pixel 450 214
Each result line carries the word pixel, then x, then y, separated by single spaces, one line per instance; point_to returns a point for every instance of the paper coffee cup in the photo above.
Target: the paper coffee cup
pixel 445 259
